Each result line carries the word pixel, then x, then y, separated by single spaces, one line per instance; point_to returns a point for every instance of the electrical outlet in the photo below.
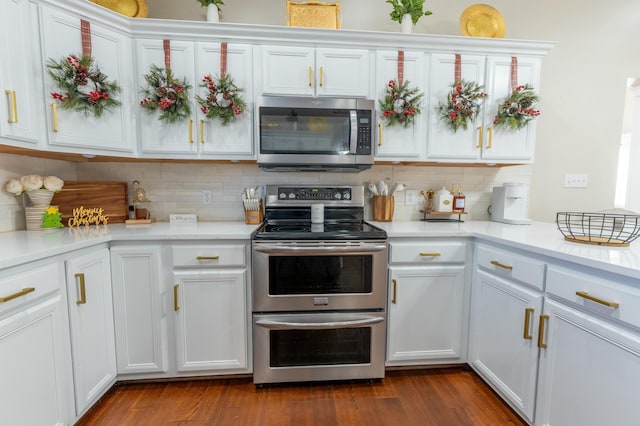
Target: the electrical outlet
pixel 206 197
pixel 576 180
pixel 410 197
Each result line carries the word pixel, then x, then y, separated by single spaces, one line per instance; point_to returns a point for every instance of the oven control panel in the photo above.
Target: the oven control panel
pixel 313 193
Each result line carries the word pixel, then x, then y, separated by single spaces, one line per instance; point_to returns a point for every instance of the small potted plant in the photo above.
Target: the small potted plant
pixel 407 12
pixel 213 9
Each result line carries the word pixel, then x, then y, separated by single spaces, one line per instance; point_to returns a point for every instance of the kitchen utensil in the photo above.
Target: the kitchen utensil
pixel 373 188
pixel 382 188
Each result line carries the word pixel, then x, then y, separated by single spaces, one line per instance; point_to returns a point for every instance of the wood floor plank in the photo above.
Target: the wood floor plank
pixel 416 397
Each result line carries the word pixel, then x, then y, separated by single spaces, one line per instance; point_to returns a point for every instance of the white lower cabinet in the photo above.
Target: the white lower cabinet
pixel 502 344
pixel 427 303
pixel 91 324
pixel 210 320
pixel 589 371
pixel 139 317
pixel 35 388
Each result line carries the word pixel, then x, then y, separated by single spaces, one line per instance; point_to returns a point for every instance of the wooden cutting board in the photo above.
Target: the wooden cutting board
pixel 111 196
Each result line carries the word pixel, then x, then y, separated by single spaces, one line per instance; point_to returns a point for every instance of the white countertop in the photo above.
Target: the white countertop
pixel 540 238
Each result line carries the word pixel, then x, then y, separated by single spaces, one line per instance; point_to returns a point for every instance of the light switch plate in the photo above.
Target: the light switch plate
pixel 183 218
pixel 410 197
pixel 576 180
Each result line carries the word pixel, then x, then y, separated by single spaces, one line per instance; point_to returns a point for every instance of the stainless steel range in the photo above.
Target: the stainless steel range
pixel 319 289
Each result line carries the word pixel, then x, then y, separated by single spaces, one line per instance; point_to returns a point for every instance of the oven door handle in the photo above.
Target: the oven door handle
pixel 275 249
pixel 286 325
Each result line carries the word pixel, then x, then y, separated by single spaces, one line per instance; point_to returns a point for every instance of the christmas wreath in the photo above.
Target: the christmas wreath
pixel 400 104
pixel 223 99
pixel 82 86
pixel 518 109
pixel 463 104
pixel 166 93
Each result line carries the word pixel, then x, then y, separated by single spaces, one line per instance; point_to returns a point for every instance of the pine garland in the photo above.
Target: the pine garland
pixel 518 109
pixel 462 105
pixel 400 104
pixel 223 99
pixel 82 86
pixel 166 93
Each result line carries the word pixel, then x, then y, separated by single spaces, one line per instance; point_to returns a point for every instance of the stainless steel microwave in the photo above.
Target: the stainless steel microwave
pixel 315 134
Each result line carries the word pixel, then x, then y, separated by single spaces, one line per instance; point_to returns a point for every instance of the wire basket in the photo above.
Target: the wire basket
pixel 603 229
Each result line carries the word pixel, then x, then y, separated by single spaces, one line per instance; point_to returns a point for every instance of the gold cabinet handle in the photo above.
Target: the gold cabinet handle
pixel 310 76
pixel 54 116
pixel 501 265
pixel 528 313
pixel 480 131
pixel 321 74
pixel 18 294
pixel 13 115
pixel 380 134
pixel 606 303
pixel 190 131
pixel 176 307
pixel 208 257
pixel 83 292
pixel 201 130
pixel 490 142
pixel 541 344
pixel 394 300
pixel 435 254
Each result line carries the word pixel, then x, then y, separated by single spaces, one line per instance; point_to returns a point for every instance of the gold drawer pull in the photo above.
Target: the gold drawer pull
pixel 435 254
pixel 201 131
pixel 501 265
pixel 18 294
pixel 395 292
pixel 13 116
pixel 310 76
pixel 54 117
pixel 480 130
pixel 528 313
pixel 606 303
pixel 190 131
pixel 541 344
pixel 490 143
pixel 83 291
pixel 176 307
pixel 379 134
pixel 321 75
pixel 208 257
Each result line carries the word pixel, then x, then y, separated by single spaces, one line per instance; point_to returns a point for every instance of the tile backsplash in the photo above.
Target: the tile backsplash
pixel 177 187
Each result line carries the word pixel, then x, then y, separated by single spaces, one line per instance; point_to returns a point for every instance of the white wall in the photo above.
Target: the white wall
pixel 583 79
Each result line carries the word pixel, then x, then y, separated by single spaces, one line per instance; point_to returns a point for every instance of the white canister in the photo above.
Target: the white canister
pixel 317 213
pixel 443 201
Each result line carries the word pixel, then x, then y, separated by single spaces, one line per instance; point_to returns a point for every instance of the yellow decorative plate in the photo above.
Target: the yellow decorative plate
pixel 132 8
pixel 481 20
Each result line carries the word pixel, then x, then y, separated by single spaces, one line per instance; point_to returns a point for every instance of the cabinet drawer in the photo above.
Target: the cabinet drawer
pixel 427 252
pixel 512 266
pixel 596 294
pixel 23 287
pixel 209 255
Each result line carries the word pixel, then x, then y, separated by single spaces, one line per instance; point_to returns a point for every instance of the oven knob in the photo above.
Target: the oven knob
pixel 292 196
pixel 337 196
pixel 283 195
pixel 346 195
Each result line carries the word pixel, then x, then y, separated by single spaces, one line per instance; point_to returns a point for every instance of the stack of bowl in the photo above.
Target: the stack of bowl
pixel 40 201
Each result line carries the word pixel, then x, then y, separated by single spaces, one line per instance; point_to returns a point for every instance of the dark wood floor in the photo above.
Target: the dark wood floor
pixel 442 397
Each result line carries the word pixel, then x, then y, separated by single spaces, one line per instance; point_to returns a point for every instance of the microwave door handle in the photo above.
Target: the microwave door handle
pixel 274 249
pixel 286 325
pixel 353 140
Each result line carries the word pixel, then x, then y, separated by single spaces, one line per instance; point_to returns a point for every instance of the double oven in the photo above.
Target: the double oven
pixel 319 289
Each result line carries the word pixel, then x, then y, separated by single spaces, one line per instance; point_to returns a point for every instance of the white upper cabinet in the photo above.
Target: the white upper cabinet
pixel 397 143
pixel 307 71
pixel 74 131
pixel 22 105
pixel 480 141
pixel 233 140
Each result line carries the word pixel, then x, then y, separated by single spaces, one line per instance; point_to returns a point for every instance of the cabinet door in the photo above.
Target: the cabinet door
pixel 235 139
pixel 398 142
pixel 33 371
pixel 342 72
pixel 426 309
pixel 91 321
pixel 287 70
pixel 504 145
pixel 113 131
pixel 210 321
pixel 158 136
pixel 21 106
pixel 502 339
pixel 140 323
pixel 444 144
pixel 589 371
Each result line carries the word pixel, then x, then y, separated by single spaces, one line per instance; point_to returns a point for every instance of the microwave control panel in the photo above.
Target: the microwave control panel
pixel 364 132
